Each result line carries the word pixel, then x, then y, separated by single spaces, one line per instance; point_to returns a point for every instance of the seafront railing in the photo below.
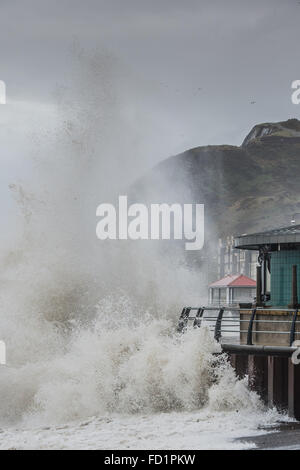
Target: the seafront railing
pixel 262 350
pixel 221 324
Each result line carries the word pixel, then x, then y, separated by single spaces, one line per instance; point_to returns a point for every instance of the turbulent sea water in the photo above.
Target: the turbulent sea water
pixel 93 360
pixel 124 385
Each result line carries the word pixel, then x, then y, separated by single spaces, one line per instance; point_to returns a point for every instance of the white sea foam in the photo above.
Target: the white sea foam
pixel 164 390
pixel 126 367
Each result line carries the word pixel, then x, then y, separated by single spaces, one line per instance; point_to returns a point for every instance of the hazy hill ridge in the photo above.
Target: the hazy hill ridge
pixel 251 187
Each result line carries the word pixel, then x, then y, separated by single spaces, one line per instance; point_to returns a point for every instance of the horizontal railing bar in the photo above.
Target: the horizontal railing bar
pixel 275 309
pixel 244 309
pixel 236 320
pixel 262 331
pixel 258 350
pixel 231 331
pixel 256 321
pixel 254 331
pixel 235 331
pixel 274 321
pixel 223 319
pixel 218 308
pixel 265 332
pixel 271 332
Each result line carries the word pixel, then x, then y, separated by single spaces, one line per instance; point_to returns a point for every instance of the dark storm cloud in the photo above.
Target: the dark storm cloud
pixel 205 61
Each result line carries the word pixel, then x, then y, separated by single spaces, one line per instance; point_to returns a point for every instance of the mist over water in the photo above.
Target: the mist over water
pixel 90 326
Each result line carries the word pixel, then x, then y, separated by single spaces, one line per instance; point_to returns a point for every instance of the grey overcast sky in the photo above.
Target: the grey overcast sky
pixel 203 61
pixel 184 72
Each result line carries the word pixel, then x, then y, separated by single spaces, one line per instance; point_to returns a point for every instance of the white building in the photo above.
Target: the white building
pixel 234 261
pixel 232 289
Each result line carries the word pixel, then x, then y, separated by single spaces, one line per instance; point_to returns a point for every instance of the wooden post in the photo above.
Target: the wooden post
pixel 240 363
pixel 294 300
pixel 278 382
pixel 294 389
pixel 258 375
pixel 258 287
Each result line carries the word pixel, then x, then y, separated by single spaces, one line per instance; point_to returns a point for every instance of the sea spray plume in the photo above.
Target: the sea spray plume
pixel 127 370
pixel 88 329
pixel 77 165
pixel 58 272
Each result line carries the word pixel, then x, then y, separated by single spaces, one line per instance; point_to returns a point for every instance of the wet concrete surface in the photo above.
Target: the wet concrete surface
pixel 285 436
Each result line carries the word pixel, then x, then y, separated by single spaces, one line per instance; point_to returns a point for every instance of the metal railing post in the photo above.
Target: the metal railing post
pixel 183 320
pixel 198 318
pixel 218 325
pixel 250 328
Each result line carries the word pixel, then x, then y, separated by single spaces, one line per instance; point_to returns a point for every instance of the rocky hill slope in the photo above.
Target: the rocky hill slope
pixel 252 187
